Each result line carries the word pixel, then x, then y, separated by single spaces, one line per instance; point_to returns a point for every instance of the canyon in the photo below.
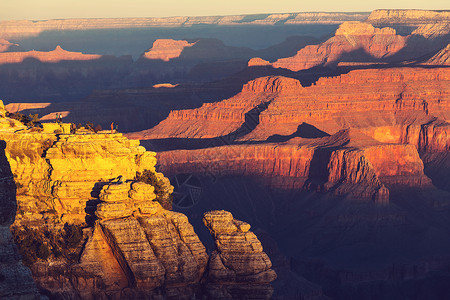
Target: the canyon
pixel 331 146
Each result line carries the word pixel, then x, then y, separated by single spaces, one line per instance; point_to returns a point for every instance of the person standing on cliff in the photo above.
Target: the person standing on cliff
pixel 60 118
pixel 112 127
pixel 56 118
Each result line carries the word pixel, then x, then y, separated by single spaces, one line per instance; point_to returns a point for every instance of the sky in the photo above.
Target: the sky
pixel 63 9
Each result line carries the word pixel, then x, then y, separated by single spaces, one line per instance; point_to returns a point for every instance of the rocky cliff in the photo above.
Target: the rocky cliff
pixel 139 245
pixel 347 163
pixel 275 107
pixel 208 120
pixel 353 41
pixel 279 130
pixel 88 226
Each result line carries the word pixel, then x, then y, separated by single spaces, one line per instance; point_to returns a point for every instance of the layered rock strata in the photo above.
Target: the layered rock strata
pixel 353 41
pixel 224 117
pixel 238 268
pixel 347 163
pixel 136 244
pixel 21 28
pixel 371 99
pixel 62 172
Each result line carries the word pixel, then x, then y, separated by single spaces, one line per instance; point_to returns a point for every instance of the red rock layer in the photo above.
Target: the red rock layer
pixel 371 43
pixel 216 119
pixel 360 167
pixel 360 99
pixel 383 102
pixel 54 56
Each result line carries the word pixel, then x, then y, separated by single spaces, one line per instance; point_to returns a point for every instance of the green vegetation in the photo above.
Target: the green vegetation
pixel 30 120
pixel 161 188
pixel 88 126
pixel 42 243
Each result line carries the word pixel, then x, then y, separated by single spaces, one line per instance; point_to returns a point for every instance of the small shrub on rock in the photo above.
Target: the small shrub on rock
pixel 161 185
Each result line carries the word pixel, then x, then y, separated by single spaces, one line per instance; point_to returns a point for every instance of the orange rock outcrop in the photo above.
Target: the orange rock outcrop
pixel 136 243
pixel 216 119
pixel 167 49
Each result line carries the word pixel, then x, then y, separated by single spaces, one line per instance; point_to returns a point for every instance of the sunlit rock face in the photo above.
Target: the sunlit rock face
pixel 276 105
pixel 55 172
pixel 166 49
pixel 136 244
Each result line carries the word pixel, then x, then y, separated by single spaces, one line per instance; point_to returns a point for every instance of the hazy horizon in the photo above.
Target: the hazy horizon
pixel 53 9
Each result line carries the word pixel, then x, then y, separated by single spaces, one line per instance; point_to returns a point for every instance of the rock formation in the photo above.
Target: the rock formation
pixel 166 49
pixel 88 229
pixel 353 41
pixel 238 268
pixel 208 120
pixel 271 106
pixel 55 172
pixel 137 244
pixel 290 125
pixel 54 56
pixel 348 162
